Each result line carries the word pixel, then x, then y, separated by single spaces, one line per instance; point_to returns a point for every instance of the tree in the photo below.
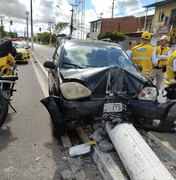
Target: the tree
pixel 45 37
pixel 114 36
pixel 60 26
pixel 3 33
pixel 12 34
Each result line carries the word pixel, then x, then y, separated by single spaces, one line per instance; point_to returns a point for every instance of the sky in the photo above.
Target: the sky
pixel 55 11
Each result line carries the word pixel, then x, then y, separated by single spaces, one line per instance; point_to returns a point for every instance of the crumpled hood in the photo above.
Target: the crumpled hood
pixel 107 79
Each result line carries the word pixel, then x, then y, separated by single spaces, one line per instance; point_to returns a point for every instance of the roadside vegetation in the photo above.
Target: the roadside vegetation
pixel 51 38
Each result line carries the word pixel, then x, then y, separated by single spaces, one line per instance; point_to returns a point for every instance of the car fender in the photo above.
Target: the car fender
pixel 53 109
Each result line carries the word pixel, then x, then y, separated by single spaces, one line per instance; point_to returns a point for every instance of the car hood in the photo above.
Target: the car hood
pixel 107 79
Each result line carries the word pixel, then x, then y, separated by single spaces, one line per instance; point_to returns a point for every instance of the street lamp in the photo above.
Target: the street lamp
pixel 71 22
pixel 63 12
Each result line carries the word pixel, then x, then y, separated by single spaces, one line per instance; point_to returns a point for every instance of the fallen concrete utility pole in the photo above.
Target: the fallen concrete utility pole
pixel 137 157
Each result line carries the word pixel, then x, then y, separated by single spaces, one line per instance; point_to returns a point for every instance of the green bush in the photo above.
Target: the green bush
pixel 114 36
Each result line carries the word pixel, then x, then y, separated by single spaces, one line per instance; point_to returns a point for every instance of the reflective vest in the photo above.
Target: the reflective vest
pixel 142 55
pixel 160 51
pixel 169 79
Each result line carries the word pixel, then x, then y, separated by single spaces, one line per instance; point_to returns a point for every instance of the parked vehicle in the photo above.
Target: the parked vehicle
pixel 22 55
pixel 93 80
pixel 8 76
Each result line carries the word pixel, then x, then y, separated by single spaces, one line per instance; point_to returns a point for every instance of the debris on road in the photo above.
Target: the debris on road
pixel 81 149
pixel 38 159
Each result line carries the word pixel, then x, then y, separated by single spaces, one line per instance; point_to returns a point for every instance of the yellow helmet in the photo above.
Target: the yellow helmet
pixel 146 35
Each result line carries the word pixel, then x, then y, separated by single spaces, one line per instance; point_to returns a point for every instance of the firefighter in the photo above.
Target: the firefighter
pixel 144 54
pixel 170 79
pixel 163 52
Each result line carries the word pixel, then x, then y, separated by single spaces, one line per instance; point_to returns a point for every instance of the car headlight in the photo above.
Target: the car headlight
pixel 148 94
pixel 74 90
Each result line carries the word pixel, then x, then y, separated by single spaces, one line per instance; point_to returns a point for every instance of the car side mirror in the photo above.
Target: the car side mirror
pixel 27 47
pixel 139 67
pixel 49 64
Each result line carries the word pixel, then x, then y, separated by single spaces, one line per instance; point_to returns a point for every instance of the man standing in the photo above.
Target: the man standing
pixel 162 54
pixel 170 78
pixel 131 44
pixel 144 54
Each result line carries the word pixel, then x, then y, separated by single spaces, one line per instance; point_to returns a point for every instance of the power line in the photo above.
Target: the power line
pixel 134 10
pixel 63 13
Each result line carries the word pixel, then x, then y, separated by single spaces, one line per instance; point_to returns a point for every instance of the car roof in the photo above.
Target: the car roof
pixel 89 41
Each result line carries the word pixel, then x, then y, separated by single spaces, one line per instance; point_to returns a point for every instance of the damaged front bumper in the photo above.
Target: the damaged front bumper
pixel 153 116
pixel 72 113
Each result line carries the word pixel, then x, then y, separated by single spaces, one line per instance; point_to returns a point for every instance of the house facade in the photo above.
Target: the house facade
pixel 131 26
pixel 164 20
pixel 126 25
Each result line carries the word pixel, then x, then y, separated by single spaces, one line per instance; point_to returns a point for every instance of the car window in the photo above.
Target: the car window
pixel 18 44
pixel 95 55
pixel 57 54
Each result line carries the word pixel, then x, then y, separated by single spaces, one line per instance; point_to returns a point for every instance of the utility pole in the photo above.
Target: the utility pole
pixel 112 9
pixel 71 25
pixel 1 27
pixel 27 28
pixel 11 23
pixel 32 43
pixel 49 28
pixel 1 17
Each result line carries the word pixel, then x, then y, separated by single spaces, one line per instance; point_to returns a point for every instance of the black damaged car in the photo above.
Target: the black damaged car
pixel 93 80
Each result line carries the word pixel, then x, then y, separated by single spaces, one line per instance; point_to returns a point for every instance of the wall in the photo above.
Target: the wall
pixel 124 24
pixel 125 43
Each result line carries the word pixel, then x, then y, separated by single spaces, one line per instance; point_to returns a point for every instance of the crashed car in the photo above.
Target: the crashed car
pixel 92 80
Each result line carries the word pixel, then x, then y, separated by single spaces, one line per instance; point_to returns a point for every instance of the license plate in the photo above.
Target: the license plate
pixel 112 107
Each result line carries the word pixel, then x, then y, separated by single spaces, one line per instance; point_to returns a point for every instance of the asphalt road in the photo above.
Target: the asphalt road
pixel 27 149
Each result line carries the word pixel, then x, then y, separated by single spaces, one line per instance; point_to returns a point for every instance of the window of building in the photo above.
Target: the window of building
pixel 161 16
pixel 95 26
pixel 173 17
